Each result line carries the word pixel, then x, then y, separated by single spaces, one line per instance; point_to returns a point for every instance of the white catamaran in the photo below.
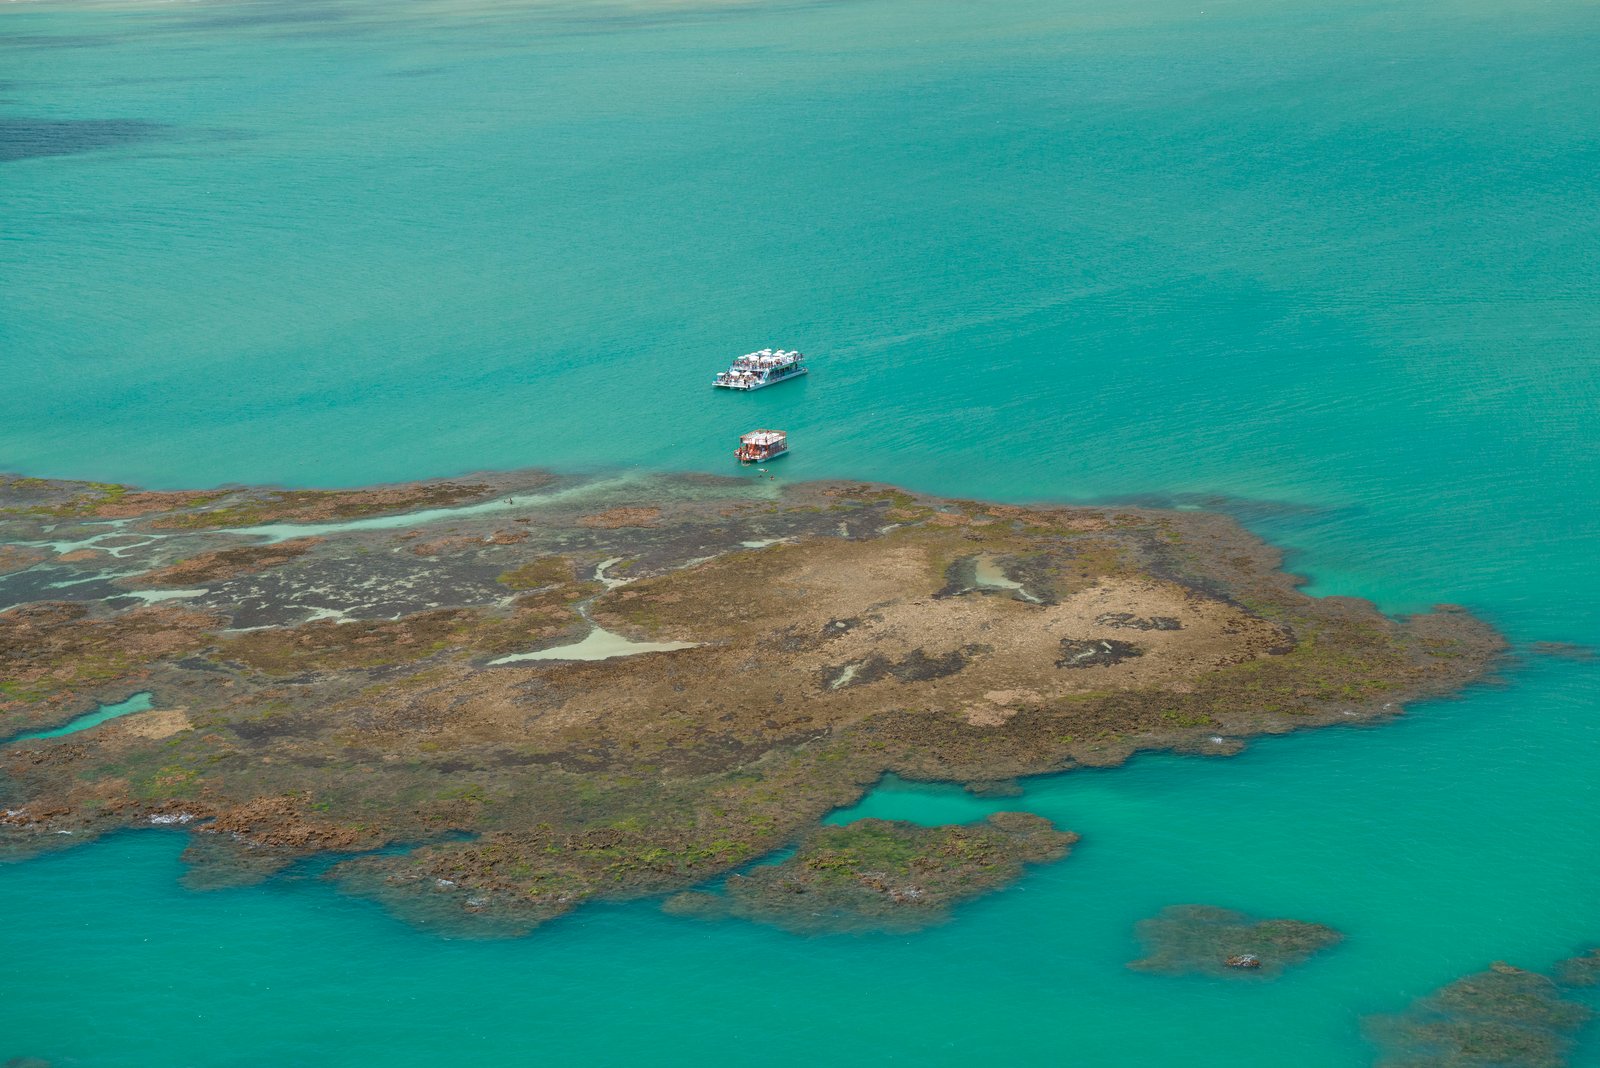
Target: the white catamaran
pixel 755 370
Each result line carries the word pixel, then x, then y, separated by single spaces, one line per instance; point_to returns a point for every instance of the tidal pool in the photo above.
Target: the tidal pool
pixel 139 702
pixel 598 644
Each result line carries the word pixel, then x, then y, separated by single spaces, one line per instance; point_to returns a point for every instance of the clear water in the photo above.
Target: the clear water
pixel 1334 264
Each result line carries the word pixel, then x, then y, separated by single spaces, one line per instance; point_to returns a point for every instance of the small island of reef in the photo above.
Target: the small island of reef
pixel 487 701
pixel 1206 940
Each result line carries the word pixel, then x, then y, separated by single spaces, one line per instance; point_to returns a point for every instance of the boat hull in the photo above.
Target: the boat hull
pixel 761 385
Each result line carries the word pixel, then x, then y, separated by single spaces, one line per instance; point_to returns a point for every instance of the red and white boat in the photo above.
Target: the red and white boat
pixel 759 446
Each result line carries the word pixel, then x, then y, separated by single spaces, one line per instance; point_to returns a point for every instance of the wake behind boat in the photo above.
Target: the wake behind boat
pixel 756 370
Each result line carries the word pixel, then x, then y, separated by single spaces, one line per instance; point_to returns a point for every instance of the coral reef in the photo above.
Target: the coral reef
pixel 342 694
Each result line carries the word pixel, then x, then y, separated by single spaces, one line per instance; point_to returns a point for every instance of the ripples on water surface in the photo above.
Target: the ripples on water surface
pixel 1333 267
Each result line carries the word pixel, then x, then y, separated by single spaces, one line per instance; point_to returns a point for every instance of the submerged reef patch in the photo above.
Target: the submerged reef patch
pixel 1504 1017
pixel 359 692
pixel 34 138
pixel 1206 940
pixel 1582 970
pixel 882 874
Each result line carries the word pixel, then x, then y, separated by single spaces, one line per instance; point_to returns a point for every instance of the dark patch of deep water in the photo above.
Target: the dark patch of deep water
pixel 31 138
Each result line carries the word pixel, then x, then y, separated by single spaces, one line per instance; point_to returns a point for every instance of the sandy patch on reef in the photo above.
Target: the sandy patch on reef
pixel 161 723
pixel 1024 641
pixel 998 706
pixel 976 657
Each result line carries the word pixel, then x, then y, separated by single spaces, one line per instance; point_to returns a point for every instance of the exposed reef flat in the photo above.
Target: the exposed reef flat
pixel 1205 940
pixel 324 677
pixel 1504 1017
pixel 882 874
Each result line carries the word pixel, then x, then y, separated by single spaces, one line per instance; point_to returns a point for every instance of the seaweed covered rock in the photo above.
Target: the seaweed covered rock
pixel 1203 939
pixel 883 874
pixel 1504 1017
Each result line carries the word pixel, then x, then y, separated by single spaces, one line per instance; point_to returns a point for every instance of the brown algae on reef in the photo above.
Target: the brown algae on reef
pixel 343 691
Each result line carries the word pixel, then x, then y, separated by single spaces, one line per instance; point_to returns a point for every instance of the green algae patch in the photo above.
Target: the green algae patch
pixel 40 498
pixel 536 574
pixel 1206 940
pixel 1504 1017
pixel 883 874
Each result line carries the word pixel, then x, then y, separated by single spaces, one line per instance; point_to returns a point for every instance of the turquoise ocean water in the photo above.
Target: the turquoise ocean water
pixel 1333 267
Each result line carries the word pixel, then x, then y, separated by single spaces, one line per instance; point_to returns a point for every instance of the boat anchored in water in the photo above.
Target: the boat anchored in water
pixel 759 446
pixel 755 370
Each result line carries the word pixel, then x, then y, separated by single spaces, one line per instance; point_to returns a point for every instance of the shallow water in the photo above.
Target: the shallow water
pixel 1331 268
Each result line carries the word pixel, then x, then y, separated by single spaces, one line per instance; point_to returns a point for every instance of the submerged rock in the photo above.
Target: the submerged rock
pixel 1203 939
pixel 1583 970
pixel 1504 1017
pixel 883 874
pixel 1583 654
pixel 995 788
